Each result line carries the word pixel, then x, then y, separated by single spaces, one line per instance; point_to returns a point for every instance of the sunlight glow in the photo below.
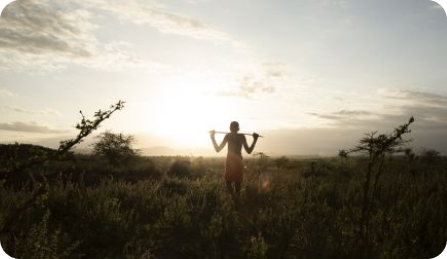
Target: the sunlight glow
pixel 183 116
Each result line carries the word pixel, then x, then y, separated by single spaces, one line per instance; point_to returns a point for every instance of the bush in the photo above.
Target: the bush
pixel 180 169
pixel 430 155
pixel 116 148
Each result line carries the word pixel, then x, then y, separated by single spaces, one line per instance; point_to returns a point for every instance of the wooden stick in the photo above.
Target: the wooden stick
pixel 247 134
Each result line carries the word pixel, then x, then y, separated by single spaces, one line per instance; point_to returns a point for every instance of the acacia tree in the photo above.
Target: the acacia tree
pixel 376 148
pixel 116 148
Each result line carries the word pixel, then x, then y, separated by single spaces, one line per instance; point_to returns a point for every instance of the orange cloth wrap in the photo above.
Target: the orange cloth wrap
pixel 234 168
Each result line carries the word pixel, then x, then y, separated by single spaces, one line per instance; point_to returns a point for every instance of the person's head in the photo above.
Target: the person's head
pixel 234 126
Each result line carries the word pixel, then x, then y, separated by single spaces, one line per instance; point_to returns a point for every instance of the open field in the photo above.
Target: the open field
pixel 177 207
pixel 123 124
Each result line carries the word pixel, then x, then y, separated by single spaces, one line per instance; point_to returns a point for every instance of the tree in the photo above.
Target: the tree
pixel 116 148
pixel 430 155
pixel 376 148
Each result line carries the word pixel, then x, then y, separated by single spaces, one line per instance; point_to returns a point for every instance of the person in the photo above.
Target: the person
pixel 234 166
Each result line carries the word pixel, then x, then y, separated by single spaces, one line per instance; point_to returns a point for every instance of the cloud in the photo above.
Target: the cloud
pixel 347 118
pixel 264 80
pixel 46 111
pixel 347 126
pixel 436 6
pixel 328 141
pixel 6 93
pixel 161 19
pixel 249 85
pixel 353 113
pixel 429 110
pixel 307 141
pixel 118 56
pixel 420 98
pixel 197 1
pixel 343 114
pixel 29 127
pixel 44 36
pixel 44 27
pixel 342 4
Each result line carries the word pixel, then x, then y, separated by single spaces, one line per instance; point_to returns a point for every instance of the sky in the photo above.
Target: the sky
pixel 311 76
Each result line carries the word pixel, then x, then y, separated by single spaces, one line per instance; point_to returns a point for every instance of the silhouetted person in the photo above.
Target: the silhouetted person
pixel 234 166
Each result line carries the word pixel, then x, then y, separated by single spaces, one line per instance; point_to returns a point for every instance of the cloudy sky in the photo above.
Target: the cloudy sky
pixel 312 76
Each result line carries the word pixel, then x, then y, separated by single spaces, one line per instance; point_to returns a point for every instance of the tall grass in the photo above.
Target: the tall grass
pixel 288 209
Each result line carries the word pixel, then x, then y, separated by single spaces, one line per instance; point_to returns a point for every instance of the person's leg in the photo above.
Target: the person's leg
pixel 229 187
pixel 238 187
pixel 238 190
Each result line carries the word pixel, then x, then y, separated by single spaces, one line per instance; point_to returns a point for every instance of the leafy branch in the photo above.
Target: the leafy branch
pixel 88 126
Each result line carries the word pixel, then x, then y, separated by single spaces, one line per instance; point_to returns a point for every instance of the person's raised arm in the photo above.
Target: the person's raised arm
pixel 246 147
pixel 218 148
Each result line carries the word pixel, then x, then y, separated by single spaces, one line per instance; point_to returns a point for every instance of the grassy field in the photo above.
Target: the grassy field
pixel 177 207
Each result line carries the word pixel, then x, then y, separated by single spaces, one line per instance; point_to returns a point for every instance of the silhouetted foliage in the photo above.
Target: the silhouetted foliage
pixel 14 158
pixel 85 128
pixel 137 212
pixel 282 162
pixel 298 216
pixel 180 168
pixel 430 155
pixel 376 148
pixel 116 148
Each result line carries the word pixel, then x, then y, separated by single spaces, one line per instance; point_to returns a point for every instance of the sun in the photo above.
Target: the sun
pixel 185 117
